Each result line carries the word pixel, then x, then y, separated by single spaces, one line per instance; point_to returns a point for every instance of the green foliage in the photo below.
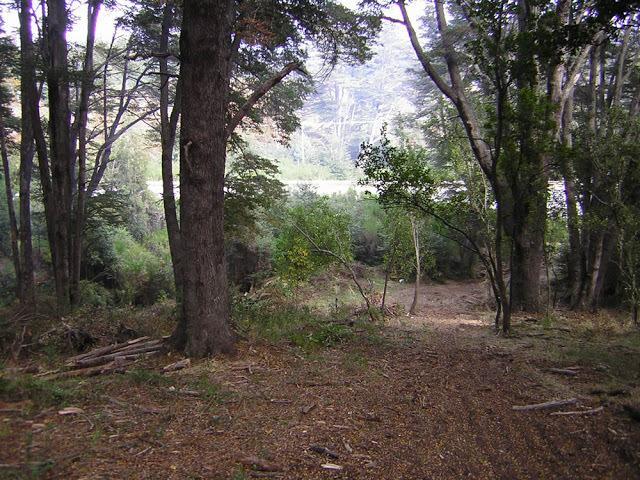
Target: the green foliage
pixel 125 182
pixel 400 253
pixel 93 294
pixel 400 175
pixel 311 235
pixel 143 272
pixel 296 325
pixel 142 376
pixel 43 393
pixel 251 187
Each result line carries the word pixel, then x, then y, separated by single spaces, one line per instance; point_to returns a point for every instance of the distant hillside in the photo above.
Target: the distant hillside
pixel 349 106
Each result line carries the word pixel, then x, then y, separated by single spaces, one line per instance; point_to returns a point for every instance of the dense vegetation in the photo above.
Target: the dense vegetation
pixel 516 105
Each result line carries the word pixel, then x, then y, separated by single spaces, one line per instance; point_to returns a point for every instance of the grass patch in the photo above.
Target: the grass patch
pixel 43 393
pixel 548 321
pixel 141 376
pixel 209 391
pixel 355 361
pixel 616 355
pixel 295 325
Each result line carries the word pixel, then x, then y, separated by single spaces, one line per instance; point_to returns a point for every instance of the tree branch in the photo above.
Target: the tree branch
pixel 424 58
pixel 393 20
pixel 260 92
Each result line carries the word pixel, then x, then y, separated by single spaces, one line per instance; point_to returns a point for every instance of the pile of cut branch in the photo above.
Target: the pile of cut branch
pixel 115 358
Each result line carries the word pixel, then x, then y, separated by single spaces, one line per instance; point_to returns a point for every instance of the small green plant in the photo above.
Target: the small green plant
pixel 548 320
pixel 208 390
pixel 43 393
pixel 355 361
pixel 239 475
pixel 142 376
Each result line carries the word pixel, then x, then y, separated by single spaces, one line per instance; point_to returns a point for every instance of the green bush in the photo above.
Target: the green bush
pixel 292 324
pixel 43 393
pixel 142 272
pixel 310 231
pixel 93 294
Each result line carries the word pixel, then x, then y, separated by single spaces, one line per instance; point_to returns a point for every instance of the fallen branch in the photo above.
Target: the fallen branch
pixel 179 365
pixel 580 412
pixel 564 371
pixel 546 405
pixel 112 367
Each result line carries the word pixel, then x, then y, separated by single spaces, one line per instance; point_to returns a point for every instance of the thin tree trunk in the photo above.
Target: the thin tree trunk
pixel 205 61
pixel 387 272
pixel 574 260
pixel 416 245
pixel 505 300
pixel 168 128
pixel 30 98
pixel 93 9
pixel 13 225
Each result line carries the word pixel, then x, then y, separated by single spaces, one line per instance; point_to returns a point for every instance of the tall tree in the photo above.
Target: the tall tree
pixel 8 62
pixel 27 149
pixel 61 148
pixel 217 40
pixel 206 62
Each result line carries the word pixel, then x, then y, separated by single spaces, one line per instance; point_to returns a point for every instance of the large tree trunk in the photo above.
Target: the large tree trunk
pixel 27 66
pixel 527 176
pixel 168 127
pixel 13 224
pixel 205 47
pixel 528 256
pixel 60 139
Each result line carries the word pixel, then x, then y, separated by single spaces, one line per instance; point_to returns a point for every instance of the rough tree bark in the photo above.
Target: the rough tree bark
pixel 27 66
pixel 60 147
pixel 207 51
pixel 206 62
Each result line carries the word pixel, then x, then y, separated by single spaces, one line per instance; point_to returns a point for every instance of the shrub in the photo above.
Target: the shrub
pixel 93 294
pixel 143 273
pixel 307 228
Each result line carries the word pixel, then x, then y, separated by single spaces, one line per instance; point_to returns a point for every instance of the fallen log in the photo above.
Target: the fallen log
pixel 106 349
pixel 179 365
pixel 89 362
pixel 137 346
pixel 546 405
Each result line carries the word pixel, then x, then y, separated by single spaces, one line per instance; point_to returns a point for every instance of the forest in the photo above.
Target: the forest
pixel 310 239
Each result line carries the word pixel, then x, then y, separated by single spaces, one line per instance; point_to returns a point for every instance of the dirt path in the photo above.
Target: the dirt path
pixel 431 398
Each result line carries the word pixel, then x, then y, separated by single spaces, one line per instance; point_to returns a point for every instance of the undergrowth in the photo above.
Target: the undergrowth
pixel 297 325
pixel 42 393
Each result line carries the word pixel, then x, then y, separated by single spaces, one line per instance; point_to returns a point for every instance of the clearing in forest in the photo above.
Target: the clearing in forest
pixel 426 397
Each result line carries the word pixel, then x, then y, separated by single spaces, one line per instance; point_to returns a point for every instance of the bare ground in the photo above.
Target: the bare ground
pixel 430 398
